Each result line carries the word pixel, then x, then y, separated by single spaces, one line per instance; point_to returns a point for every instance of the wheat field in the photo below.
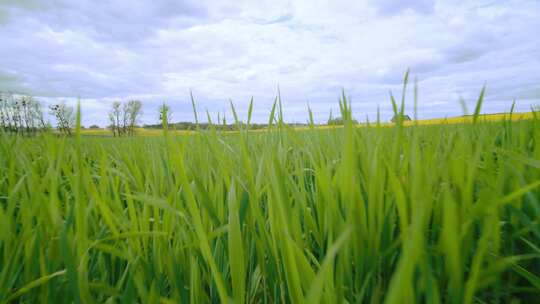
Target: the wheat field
pixel 426 213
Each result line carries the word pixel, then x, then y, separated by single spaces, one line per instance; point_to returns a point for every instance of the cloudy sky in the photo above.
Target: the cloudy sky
pixel 158 51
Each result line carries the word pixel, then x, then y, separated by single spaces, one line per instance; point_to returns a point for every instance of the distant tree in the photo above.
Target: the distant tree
pixel 9 113
pixel 124 117
pixel 22 114
pixel 114 118
pixel 93 127
pixel 4 114
pixel 133 109
pixel 338 121
pixel 65 117
pixel 396 118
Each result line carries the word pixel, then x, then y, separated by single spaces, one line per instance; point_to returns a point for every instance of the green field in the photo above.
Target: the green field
pixel 435 121
pixel 427 213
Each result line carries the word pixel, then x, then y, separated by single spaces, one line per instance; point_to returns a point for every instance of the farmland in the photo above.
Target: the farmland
pixel 426 213
pixel 436 121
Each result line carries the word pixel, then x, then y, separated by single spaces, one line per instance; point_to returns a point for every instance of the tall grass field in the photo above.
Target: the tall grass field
pixel 446 213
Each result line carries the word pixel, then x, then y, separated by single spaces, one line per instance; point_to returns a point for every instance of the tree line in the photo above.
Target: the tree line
pixel 187 125
pixel 23 114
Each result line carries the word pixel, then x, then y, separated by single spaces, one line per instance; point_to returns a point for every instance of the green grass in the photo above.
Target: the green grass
pixel 441 213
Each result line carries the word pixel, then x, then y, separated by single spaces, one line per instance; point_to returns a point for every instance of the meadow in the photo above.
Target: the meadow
pixel 441 213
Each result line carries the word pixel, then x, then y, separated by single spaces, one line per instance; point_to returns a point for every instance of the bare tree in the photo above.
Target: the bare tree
pixel 114 118
pixel 7 105
pixel 32 114
pixel 22 114
pixel 38 116
pixel 16 115
pixel 65 117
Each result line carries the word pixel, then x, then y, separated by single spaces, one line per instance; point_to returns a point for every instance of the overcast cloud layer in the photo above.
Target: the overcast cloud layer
pixel 158 51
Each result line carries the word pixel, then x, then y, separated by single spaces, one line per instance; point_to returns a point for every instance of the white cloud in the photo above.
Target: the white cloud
pixel 158 51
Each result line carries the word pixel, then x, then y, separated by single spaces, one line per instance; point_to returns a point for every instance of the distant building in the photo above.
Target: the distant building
pixel 403 118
